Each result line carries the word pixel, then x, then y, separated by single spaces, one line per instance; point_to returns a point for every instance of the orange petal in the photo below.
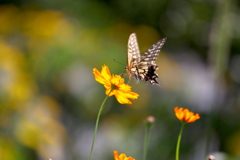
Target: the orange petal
pixel 115 155
pixel 194 118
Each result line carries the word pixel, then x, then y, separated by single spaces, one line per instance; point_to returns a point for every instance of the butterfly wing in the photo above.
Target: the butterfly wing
pixel 147 65
pixel 133 57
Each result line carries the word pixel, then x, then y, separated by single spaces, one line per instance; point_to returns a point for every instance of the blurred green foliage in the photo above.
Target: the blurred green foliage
pixel 49 99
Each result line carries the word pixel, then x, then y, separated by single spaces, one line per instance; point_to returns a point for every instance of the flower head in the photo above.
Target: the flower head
pixel 114 85
pixel 211 157
pixel 185 115
pixel 149 121
pixel 121 156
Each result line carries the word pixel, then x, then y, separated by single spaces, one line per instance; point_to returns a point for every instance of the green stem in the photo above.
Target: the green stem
pixel 179 140
pixel 146 142
pixel 96 126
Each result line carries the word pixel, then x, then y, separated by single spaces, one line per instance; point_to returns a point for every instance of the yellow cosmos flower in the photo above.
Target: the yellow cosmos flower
pixel 114 85
pixel 121 156
pixel 185 115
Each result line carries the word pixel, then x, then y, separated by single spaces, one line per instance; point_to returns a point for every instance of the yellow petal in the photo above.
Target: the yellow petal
pixel 121 97
pixel 108 86
pixel 125 88
pixel 105 72
pixel 122 156
pixel 132 95
pixel 98 77
pixel 108 90
pixel 117 80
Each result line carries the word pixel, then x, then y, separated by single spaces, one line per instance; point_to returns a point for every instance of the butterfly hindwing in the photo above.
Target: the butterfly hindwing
pixel 143 67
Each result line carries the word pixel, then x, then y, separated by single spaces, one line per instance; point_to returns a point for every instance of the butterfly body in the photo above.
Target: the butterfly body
pixel 143 67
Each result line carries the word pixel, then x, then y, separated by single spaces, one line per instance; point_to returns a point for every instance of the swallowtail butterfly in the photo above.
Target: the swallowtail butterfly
pixel 142 67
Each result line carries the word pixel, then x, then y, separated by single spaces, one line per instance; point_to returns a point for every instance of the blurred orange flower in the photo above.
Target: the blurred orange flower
pixel 121 156
pixel 185 115
pixel 114 85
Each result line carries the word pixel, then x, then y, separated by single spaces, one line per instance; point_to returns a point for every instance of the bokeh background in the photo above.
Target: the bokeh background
pixel 49 99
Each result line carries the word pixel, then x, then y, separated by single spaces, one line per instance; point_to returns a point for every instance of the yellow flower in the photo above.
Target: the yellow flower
pixel 185 115
pixel 121 156
pixel 114 85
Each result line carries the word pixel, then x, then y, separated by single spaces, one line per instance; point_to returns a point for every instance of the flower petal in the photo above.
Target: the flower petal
pixel 105 72
pixel 115 155
pixel 131 95
pixel 117 80
pixel 98 77
pixel 124 87
pixel 112 92
pixel 121 97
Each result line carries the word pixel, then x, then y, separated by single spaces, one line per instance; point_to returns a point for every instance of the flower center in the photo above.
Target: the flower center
pixel 114 87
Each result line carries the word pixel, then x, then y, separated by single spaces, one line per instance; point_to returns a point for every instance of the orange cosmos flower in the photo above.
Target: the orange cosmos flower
pixel 114 85
pixel 121 156
pixel 185 115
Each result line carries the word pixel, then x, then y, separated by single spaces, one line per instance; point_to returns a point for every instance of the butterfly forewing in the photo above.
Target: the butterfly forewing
pixel 133 56
pixel 133 50
pixel 152 53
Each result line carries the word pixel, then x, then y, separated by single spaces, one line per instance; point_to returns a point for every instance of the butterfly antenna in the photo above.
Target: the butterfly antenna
pixel 118 62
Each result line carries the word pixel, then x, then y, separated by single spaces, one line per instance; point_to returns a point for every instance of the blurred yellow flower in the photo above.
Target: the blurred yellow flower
pixel 121 156
pixel 185 115
pixel 114 85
